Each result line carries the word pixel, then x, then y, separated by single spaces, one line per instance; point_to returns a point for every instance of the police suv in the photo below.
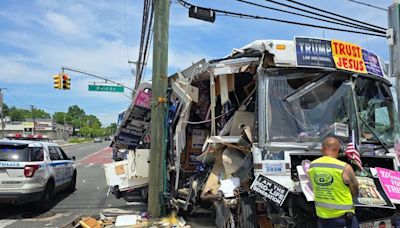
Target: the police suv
pixel 33 171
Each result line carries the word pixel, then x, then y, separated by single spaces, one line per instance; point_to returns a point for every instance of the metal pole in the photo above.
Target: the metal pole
pixel 159 89
pixel 2 114
pixel 394 46
pixel 33 119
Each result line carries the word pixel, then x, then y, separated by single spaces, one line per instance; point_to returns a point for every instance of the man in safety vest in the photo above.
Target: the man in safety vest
pixel 334 184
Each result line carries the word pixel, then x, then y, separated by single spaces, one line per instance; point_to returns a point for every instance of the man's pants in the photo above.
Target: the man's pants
pixel 337 222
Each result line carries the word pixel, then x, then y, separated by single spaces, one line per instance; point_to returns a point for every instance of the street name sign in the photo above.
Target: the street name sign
pixel 104 88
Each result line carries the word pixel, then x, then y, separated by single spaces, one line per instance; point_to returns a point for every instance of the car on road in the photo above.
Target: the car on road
pixel 98 140
pixel 33 171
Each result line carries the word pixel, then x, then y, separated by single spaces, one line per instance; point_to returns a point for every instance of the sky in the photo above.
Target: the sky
pixel 37 37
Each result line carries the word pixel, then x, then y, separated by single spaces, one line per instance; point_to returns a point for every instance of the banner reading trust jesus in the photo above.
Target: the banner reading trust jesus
pixel 348 56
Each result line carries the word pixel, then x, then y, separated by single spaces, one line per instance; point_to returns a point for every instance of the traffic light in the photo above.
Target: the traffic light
pixel 66 81
pixel 57 81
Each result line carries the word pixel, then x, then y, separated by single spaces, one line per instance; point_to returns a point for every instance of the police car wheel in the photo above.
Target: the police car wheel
pixel 72 185
pixel 45 203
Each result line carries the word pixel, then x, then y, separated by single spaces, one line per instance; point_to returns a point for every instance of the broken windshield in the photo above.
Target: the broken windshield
pixel 376 111
pixel 304 107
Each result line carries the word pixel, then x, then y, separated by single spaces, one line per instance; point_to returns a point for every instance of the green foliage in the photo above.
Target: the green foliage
pixel 79 140
pixel 83 125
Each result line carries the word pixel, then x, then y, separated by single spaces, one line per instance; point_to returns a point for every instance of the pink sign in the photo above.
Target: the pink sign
pixel 390 181
pixel 143 99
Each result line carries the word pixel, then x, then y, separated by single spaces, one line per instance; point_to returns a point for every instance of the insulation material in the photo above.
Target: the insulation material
pixel 223 83
pixel 218 172
pixel 185 91
pixel 239 118
pixel 230 82
pixel 231 159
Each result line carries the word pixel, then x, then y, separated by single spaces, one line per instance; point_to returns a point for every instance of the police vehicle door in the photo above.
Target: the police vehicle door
pixel 68 168
pixel 58 164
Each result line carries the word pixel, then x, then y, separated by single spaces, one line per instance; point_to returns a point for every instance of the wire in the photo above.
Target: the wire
pixel 248 16
pixel 307 16
pixel 17 99
pixel 333 18
pixel 369 5
pixel 126 33
pixel 335 14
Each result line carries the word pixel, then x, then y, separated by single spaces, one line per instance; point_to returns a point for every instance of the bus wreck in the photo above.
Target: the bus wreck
pixel 242 128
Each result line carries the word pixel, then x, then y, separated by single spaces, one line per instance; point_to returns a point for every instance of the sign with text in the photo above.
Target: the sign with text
pixel 314 52
pixel 136 120
pixel 372 63
pixel 269 189
pixel 390 181
pixel 348 56
pixel 104 88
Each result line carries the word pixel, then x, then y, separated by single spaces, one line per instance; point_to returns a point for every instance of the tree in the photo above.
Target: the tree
pixel 39 113
pixel 6 110
pixel 17 114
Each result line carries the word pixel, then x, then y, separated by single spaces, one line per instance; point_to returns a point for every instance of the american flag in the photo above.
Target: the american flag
pixel 352 153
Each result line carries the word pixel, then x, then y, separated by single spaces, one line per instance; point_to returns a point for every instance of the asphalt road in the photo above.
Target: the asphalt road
pixel 90 198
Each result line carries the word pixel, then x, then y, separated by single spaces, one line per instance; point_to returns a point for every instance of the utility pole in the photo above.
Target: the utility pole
pixel 33 119
pixel 393 38
pixel 2 114
pixel 137 72
pixel 158 112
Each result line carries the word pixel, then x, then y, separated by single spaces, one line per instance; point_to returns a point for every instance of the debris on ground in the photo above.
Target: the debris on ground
pixel 138 220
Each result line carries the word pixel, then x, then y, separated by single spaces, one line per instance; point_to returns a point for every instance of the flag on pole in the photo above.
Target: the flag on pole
pixel 352 153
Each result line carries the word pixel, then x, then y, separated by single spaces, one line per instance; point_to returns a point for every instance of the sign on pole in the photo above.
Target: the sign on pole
pixel 104 88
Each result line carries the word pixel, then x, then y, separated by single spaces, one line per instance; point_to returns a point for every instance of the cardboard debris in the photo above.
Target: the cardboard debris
pixel 89 222
pixel 126 220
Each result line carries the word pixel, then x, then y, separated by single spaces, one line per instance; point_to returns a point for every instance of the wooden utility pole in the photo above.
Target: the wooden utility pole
pixel 2 114
pixel 159 89
pixel 394 45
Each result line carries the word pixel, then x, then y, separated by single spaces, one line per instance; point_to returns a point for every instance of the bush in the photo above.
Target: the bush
pixel 79 140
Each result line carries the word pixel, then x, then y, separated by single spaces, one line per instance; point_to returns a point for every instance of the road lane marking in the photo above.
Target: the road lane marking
pixel 135 203
pixel 97 152
pixel 91 164
pixel 7 222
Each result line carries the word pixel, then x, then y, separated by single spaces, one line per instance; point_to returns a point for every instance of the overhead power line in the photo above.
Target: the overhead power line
pixel 348 20
pixel 369 5
pixel 248 16
pixel 335 14
pixel 334 21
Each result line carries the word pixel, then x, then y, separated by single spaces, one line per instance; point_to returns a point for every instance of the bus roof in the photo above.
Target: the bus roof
pixel 316 53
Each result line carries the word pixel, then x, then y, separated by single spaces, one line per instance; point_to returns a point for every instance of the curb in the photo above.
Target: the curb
pixel 71 144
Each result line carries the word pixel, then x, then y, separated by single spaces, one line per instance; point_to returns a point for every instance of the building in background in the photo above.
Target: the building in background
pixel 42 128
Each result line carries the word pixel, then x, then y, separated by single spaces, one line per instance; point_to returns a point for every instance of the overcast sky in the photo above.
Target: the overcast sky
pixel 39 36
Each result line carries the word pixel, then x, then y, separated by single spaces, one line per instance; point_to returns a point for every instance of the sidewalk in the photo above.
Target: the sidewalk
pixel 64 143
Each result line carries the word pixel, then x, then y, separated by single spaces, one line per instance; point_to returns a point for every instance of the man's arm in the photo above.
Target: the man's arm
pixel 350 179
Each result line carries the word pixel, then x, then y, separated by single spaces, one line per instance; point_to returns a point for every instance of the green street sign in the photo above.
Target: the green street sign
pixel 103 88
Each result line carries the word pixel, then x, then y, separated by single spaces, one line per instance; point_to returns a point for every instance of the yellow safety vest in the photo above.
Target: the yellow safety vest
pixel 332 197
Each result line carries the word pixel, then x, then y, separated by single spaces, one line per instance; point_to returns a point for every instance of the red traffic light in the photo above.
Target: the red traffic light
pixel 64 76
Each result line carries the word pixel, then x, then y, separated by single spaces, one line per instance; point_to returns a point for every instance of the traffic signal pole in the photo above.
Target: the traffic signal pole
pixel 394 44
pixel 158 112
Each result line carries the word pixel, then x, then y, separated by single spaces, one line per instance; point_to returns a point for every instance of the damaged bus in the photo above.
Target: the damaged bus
pixel 242 128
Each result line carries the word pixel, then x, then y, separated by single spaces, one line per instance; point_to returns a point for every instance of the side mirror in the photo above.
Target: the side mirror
pixel 73 158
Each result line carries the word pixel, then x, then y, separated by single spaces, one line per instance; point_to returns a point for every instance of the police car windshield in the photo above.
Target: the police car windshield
pixel 304 106
pixel 20 153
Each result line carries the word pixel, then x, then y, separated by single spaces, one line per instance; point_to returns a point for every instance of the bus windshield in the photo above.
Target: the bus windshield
pixel 378 117
pixel 304 107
